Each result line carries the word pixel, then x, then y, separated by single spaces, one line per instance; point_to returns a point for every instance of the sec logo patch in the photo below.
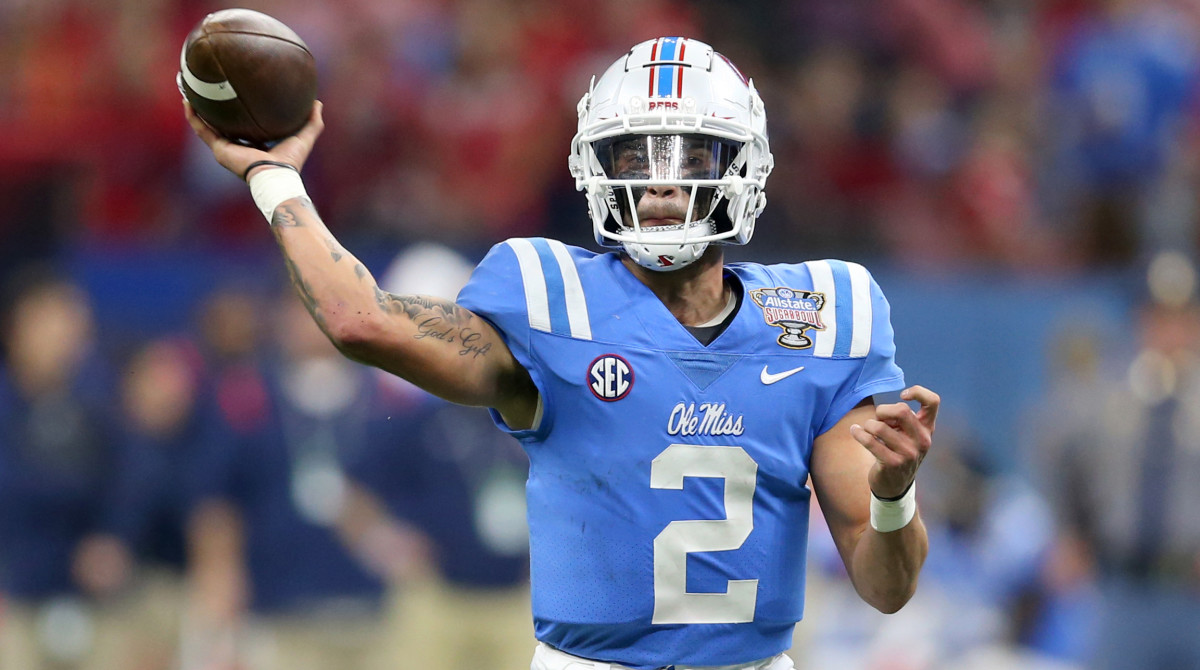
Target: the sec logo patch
pixel 610 377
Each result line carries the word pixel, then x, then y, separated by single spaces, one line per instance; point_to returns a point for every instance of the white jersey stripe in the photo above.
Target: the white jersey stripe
pixel 534 280
pixel 577 314
pixel 822 276
pixel 860 288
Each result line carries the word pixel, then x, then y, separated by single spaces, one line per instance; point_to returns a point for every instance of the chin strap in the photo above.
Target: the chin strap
pixel 665 257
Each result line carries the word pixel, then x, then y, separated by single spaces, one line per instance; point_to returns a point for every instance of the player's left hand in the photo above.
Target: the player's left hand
pixel 899 439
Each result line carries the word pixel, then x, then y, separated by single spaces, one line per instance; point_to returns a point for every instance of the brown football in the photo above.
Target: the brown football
pixel 248 76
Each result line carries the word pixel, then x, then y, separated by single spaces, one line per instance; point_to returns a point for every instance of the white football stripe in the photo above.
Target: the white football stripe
pixel 221 90
pixel 822 276
pixel 577 315
pixel 535 283
pixel 860 288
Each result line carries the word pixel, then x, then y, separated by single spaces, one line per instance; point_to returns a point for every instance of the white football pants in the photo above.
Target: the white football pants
pixel 546 657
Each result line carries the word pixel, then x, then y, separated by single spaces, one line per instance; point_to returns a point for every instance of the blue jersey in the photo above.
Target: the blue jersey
pixel 667 498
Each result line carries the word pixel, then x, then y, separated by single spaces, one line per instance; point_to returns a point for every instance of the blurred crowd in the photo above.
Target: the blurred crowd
pixel 233 497
pixel 228 493
pixel 1034 135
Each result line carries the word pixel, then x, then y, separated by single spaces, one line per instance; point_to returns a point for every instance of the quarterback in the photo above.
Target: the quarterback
pixel 678 411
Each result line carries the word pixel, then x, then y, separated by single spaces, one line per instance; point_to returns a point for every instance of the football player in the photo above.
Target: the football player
pixel 675 408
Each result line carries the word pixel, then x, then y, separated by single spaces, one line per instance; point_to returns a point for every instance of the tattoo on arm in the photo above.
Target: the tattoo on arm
pixel 304 290
pixel 285 217
pixel 434 318
pixel 437 319
pixel 335 250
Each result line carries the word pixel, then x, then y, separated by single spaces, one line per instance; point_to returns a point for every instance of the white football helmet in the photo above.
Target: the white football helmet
pixel 675 118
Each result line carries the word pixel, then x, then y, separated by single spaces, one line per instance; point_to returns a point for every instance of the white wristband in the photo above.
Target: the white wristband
pixel 272 186
pixel 890 515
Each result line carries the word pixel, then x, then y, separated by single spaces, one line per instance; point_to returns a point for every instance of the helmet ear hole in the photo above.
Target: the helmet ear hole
pixel 611 225
pixel 722 222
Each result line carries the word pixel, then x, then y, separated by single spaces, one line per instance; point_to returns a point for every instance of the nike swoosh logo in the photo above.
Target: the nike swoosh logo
pixel 771 378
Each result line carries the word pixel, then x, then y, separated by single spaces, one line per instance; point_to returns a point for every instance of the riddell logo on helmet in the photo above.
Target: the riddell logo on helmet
pixel 663 104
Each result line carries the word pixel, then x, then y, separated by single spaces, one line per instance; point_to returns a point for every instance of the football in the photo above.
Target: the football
pixel 248 76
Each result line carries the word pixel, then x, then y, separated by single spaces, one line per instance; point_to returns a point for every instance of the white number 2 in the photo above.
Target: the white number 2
pixel 672 602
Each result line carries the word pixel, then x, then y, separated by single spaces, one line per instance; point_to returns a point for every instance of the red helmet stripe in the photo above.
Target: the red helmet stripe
pixel 653 70
pixel 679 77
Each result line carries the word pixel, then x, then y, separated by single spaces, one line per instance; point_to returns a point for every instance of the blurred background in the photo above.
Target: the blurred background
pixel 190 477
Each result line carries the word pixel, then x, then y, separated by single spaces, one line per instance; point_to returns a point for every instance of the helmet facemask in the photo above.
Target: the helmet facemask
pixel 664 192
pixel 672 153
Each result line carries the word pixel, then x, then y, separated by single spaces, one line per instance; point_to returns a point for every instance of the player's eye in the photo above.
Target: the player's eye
pixel 698 164
pixel 632 157
pixel 631 163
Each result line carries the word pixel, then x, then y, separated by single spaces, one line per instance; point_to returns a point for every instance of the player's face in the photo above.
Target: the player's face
pixel 663 162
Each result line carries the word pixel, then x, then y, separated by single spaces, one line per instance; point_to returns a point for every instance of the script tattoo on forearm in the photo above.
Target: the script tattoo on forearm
pixel 437 319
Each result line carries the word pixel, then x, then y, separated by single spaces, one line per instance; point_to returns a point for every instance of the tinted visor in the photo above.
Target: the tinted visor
pixel 665 158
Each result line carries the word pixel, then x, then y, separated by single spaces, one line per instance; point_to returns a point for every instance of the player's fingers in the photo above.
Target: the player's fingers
pixel 917 437
pixel 900 416
pixel 895 439
pixel 206 134
pixel 316 123
pixel 295 149
pixel 930 403
pixel 879 438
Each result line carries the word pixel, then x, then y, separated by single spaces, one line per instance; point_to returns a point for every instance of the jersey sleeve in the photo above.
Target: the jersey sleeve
pixel 496 291
pixel 861 310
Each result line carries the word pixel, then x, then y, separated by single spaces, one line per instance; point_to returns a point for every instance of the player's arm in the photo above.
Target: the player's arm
pixel 434 343
pixel 876 450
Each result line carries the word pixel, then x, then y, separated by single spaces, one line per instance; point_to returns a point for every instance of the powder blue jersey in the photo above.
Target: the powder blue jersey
pixel 668 506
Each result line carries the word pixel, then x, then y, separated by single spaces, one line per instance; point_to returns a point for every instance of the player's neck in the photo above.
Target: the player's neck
pixel 694 294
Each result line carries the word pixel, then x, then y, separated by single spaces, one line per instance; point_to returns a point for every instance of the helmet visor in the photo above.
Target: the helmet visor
pixel 666 158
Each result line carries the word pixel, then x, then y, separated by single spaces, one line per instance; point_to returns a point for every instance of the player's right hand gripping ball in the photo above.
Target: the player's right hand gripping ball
pixel 248 76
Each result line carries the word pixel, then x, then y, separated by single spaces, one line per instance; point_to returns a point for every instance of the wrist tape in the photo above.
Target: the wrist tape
pixel 890 515
pixel 271 187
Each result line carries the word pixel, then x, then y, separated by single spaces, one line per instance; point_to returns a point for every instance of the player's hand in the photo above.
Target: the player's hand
pixel 899 439
pixel 236 157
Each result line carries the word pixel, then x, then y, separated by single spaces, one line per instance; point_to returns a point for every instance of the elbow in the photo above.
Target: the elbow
pixel 891 606
pixel 355 335
pixel 891 601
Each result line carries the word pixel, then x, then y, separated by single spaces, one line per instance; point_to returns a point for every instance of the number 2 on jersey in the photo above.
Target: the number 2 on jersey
pixel 673 604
